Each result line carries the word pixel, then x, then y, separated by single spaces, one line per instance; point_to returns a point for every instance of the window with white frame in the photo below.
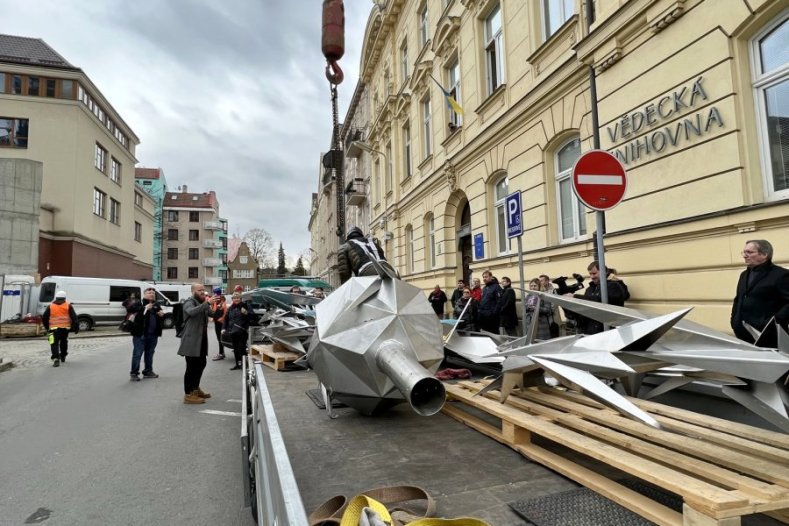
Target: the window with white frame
pixel 494 50
pixel 427 127
pixel 500 191
pixel 572 214
pixel 410 258
pixel 243 260
pixel 406 150
pixel 389 166
pixel 137 231
pixel 555 13
pixel 423 27
pixel 430 244
pixel 115 212
pixel 404 62
pixel 115 170
pixel 99 202
pixel 771 92
pixel 453 74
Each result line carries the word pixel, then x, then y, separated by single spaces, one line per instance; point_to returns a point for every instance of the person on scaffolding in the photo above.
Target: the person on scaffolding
pixel 355 255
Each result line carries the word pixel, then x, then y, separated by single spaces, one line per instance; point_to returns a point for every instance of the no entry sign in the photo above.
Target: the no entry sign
pixel 599 180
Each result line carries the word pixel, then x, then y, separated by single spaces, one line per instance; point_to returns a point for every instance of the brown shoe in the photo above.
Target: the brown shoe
pixel 192 398
pixel 202 394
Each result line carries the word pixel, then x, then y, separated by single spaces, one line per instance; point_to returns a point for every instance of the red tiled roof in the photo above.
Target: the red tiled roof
pixel 147 173
pixel 189 200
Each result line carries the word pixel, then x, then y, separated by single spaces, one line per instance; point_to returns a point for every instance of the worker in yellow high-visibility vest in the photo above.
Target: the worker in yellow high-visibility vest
pixel 59 318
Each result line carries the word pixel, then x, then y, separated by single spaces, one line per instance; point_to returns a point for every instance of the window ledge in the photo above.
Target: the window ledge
pixel 453 132
pixel 427 161
pixel 554 40
pixel 493 98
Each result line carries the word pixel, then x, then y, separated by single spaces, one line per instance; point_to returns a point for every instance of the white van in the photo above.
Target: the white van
pixel 98 301
pixel 175 292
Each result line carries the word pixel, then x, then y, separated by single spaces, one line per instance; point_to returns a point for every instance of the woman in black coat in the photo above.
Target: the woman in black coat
pixel 237 325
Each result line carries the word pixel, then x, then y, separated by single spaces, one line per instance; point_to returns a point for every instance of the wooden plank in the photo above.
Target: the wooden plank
pixel 703 495
pixel 693 517
pixel 749 464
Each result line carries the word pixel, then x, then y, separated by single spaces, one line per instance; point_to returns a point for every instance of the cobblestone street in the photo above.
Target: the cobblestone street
pixel 33 352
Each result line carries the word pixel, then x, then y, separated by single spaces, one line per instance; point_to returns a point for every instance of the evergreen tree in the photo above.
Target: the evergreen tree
pixel 282 270
pixel 300 270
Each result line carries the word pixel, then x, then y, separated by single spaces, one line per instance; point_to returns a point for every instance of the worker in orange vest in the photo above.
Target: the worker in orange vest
pixel 59 318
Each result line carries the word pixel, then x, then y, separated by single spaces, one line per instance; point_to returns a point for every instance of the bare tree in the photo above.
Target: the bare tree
pixel 261 246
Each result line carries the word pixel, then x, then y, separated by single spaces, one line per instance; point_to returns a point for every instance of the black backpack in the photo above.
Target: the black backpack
pixel 178 319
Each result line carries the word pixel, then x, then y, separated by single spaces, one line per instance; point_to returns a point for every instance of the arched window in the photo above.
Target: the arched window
pixel 409 249
pixel 430 241
pixel 771 92
pixel 500 190
pixel 572 215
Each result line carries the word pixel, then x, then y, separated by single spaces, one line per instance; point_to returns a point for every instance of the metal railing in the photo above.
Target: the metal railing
pixel 269 483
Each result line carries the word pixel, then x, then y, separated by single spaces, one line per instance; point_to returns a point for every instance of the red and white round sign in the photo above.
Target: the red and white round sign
pixel 599 180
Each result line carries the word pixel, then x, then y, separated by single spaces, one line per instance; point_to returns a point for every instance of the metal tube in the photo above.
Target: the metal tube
pixel 422 390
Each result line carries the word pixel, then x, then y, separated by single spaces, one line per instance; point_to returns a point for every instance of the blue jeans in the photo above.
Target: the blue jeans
pixel 143 345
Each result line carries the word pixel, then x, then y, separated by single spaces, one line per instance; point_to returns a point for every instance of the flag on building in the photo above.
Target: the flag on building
pixel 452 104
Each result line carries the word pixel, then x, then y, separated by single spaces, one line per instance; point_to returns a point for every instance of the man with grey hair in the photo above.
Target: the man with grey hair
pixel 762 293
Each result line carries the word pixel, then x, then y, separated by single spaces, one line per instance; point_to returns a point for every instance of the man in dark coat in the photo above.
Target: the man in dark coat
pixel 237 327
pixel 617 295
pixel 146 329
pixel 194 342
pixel 508 316
pixel 438 299
pixel 762 293
pixel 488 316
pixel 457 293
pixel 352 259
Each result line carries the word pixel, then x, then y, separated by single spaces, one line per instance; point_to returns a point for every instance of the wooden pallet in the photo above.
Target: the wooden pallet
pixel 722 470
pixel 273 356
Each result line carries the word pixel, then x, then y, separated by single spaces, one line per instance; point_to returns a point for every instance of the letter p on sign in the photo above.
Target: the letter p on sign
pixel 514 215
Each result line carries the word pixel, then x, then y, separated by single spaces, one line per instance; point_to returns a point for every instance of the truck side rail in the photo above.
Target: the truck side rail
pixel 276 494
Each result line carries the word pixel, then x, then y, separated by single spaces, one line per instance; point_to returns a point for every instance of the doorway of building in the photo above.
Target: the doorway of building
pixel 464 243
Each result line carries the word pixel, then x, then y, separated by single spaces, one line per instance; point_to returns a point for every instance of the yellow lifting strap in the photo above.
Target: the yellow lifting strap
pixel 353 513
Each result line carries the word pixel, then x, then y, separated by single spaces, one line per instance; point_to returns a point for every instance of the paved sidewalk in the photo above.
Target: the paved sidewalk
pixel 34 352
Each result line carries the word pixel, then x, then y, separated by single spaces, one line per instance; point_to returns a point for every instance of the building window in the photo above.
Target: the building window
pixel 51 88
pixel 453 73
pixel 555 13
pixel 223 257
pixel 172 216
pixel 16 84
pixel 409 247
pixel 115 170
pixel 494 50
pixel 138 199
pixel 115 212
pixel 501 189
pixel 137 231
pixel 194 217
pixel 572 215
pixel 99 202
pixel 101 158
pixel 407 150
pixel 194 253
pixel 13 132
pixel 427 127
pixel 172 253
pixel 193 272
pixel 404 61
pixel 244 274
pixel 771 86
pixel 423 26
pixel 172 272
pixel 389 167
pixel 172 234
pixel 194 235
pixel 430 245
pixel 33 85
pixel 243 260
pixel 379 191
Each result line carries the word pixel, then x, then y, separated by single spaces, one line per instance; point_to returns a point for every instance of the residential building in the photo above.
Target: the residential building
pixel 322 225
pixel 153 182
pixel 242 270
pixel 222 269
pixel 691 97
pixel 52 113
pixel 191 246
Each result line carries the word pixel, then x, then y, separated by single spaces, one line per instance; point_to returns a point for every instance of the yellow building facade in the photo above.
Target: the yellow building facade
pixel 692 96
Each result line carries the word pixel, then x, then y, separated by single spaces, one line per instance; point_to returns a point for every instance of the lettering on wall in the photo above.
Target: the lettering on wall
pixel 669 136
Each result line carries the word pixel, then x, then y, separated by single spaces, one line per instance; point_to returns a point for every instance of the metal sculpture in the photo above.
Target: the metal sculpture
pixel 378 343
pixel 753 376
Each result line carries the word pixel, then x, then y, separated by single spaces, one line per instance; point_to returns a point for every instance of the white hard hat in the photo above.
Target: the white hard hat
pixel 60 294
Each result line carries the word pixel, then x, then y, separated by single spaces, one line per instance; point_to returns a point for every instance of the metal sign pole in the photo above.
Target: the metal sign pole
pixel 600 217
pixel 524 286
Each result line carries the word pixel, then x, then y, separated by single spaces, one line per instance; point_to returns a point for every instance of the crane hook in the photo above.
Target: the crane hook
pixel 333 72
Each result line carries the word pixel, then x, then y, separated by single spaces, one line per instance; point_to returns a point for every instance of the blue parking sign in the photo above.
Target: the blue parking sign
pixel 514 215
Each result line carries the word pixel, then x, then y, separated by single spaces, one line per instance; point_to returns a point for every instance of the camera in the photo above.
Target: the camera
pixel 564 288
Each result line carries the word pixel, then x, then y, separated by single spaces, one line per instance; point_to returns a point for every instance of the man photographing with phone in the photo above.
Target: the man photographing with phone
pixel 194 342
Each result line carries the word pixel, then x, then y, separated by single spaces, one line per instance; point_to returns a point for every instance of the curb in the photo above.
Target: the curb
pixel 4 366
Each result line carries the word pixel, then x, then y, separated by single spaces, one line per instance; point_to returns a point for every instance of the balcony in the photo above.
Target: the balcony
pixel 356 192
pixel 212 281
pixel 212 262
pixel 212 225
pixel 212 243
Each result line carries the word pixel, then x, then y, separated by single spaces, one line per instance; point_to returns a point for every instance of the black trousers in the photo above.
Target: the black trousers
pixel 239 345
pixel 59 345
pixel 488 323
pixel 218 325
pixel 195 366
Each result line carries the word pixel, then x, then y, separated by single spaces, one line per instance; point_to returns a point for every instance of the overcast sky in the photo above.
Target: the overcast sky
pixel 224 95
